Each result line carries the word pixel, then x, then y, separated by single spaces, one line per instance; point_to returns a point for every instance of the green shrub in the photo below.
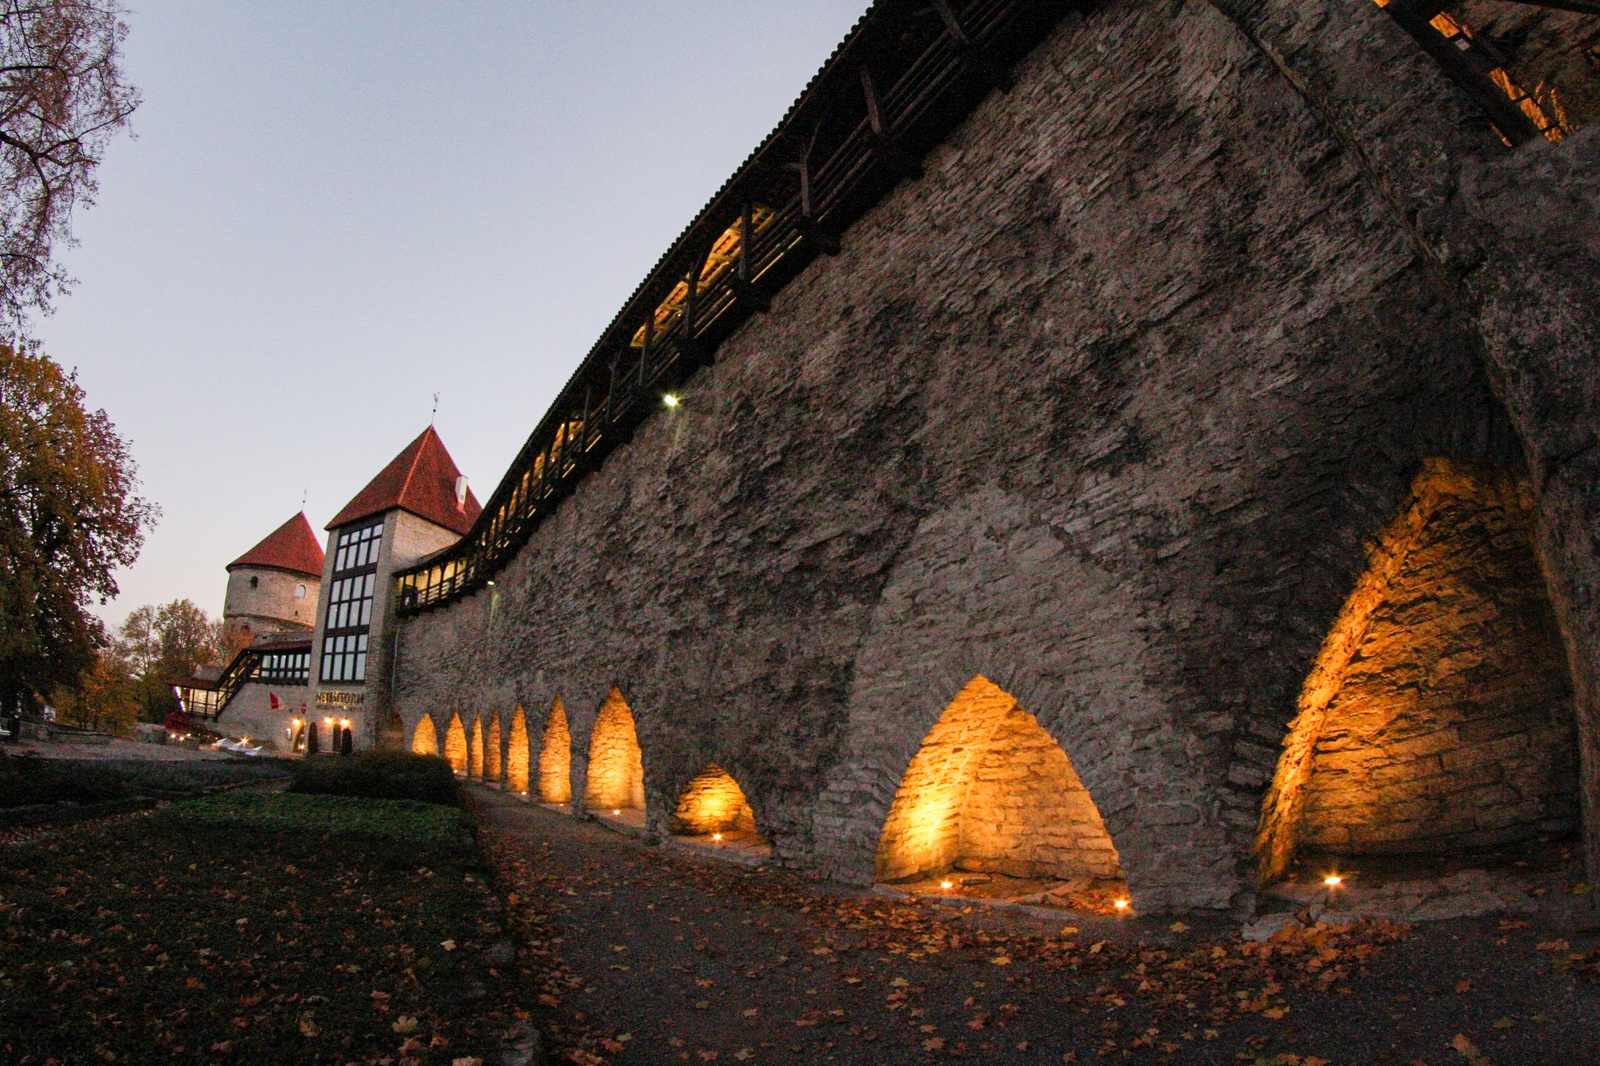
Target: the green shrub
pixel 28 781
pixel 378 775
pixel 403 821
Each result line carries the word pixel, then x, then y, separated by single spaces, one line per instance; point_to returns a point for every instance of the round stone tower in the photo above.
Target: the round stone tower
pixel 273 587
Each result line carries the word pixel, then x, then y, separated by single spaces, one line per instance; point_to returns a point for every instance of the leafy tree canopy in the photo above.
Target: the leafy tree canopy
pixel 159 645
pixel 69 516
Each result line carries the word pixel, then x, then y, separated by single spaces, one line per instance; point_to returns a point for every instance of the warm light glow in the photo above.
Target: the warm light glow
pixel 345 722
pixel 947 884
pixel 327 721
pixel 990 790
pixel 296 722
pixel 670 399
pixel 616 810
pixel 713 804
pixel 555 755
pixel 1333 880
pixel 1122 904
pixel 616 765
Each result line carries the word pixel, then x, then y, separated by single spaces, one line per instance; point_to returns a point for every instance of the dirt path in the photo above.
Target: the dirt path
pixel 678 958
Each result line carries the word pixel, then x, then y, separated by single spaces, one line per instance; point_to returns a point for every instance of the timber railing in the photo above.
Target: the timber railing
pixel 1476 67
pixel 905 76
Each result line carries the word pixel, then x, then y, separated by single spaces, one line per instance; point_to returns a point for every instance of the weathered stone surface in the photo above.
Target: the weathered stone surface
pixel 1105 408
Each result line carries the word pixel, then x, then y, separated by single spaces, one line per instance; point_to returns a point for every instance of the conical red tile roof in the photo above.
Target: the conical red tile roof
pixel 292 546
pixel 422 480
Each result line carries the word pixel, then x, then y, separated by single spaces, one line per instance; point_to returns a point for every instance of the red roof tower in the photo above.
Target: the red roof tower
pixel 292 547
pixel 422 480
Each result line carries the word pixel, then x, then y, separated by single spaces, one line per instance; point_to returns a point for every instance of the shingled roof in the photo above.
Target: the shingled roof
pixel 292 546
pixel 422 480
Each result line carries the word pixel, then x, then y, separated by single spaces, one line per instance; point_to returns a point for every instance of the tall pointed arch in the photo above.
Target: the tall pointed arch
pixel 493 754
pixel 555 757
pixel 424 740
pixel 475 749
pixel 990 791
pixel 455 744
pixel 616 762
pixel 713 803
pixel 517 754
pixel 1438 717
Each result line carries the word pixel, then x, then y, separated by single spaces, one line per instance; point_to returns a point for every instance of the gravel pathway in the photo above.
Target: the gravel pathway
pixel 678 958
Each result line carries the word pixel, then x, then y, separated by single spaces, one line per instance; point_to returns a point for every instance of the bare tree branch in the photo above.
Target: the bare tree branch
pixel 62 99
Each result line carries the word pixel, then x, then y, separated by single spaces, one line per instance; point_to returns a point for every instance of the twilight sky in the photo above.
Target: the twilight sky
pixel 331 211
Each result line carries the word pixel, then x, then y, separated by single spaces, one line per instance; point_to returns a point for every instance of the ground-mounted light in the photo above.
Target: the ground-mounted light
pixel 1333 880
pixel 716 836
pixel 671 399
pixel 1122 904
pixel 616 810
pixel 947 885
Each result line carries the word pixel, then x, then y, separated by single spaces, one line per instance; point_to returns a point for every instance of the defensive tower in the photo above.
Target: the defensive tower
pixel 273 587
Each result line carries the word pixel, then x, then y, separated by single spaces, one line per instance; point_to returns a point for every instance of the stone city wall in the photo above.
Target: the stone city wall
pixel 1106 408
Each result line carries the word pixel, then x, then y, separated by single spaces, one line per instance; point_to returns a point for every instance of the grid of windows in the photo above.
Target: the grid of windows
pixel 344 658
pixel 200 702
pixel 350 601
pixel 285 667
pixel 344 640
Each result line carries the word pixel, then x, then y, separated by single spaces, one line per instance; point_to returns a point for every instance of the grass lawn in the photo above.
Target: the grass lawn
pixel 256 927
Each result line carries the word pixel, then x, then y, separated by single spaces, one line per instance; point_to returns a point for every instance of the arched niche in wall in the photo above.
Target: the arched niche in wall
pixel 424 740
pixel 517 754
pixel 713 803
pixel 555 756
pixel 493 753
pixel 615 780
pixel 1438 717
pixel 475 749
pixel 990 793
pixel 455 744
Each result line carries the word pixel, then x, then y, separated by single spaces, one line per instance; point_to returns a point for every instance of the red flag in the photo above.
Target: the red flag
pixel 273 696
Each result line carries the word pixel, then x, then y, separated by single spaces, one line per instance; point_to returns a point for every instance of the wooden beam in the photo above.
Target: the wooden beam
pixel 823 240
pixel 891 153
pixel 744 288
pixel 993 72
pixel 1508 118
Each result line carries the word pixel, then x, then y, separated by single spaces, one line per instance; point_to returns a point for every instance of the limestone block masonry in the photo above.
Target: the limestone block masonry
pixel 264 600
pixel 1107 408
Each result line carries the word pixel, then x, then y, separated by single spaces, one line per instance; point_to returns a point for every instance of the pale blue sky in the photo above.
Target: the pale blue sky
pixel 333 210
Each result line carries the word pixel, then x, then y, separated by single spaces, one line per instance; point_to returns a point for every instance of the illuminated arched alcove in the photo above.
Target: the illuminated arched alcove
pixel 1438 717
pixel 555 757
pixel 517 754
pixel 990 792
pixel 455 744
pixel 424 740
pixel 616 763
pixel 713 803
pixel 475 749
pixel 493 754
